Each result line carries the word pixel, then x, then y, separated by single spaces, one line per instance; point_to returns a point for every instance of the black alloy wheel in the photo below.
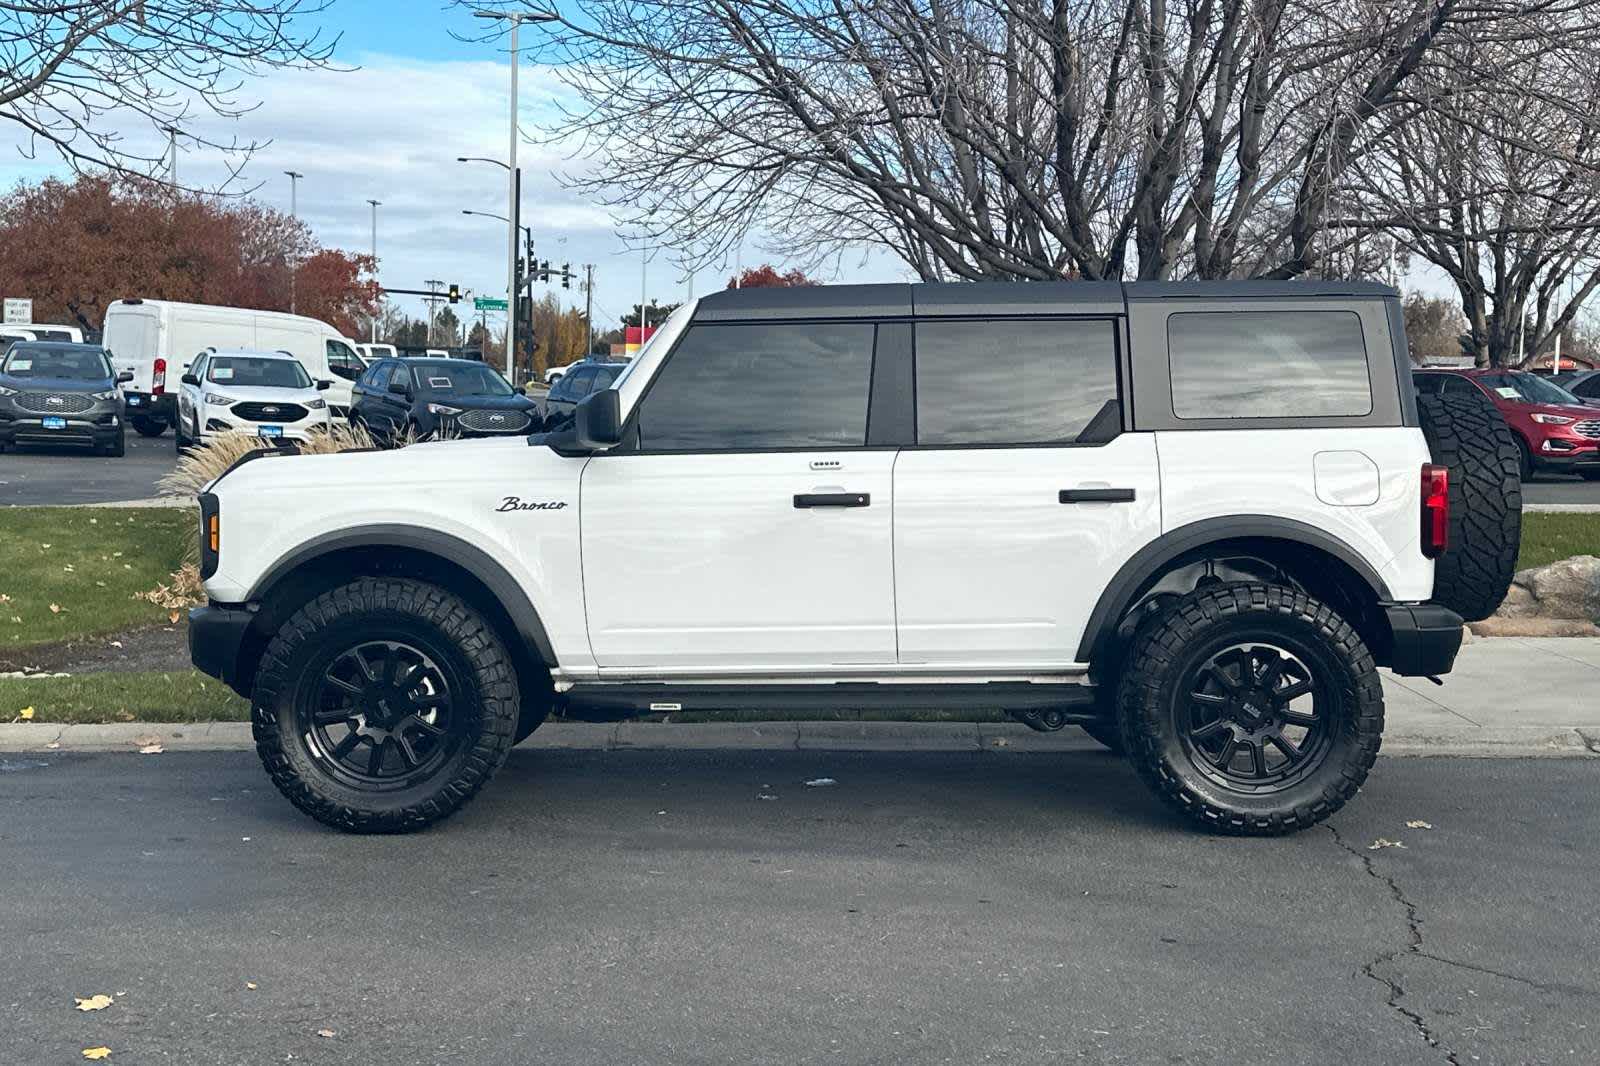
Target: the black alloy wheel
pixel 1250 719
pixel 381 715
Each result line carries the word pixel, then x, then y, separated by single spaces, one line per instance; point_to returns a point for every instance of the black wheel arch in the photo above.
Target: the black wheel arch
pixel 1310 557
pixel 399 550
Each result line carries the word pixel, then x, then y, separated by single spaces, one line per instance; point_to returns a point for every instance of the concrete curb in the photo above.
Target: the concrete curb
pixel 1498 742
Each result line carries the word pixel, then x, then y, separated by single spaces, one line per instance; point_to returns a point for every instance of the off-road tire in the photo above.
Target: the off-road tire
pixel 357 612
pixel 148 427
pixel 1157 668
pixel 1470 437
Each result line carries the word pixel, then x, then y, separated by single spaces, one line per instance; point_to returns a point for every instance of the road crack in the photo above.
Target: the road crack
pixel 1394 990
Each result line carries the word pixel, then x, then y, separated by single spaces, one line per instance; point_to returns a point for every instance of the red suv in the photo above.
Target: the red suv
pixel 1554 429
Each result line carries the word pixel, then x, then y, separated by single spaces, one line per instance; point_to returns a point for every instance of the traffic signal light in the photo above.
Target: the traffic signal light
pixel 455 293
pixel 566 275
pixel 544 270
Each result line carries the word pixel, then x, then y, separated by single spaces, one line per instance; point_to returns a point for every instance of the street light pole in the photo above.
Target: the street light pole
pixel 588 307
pixel 172 152
pixel 375 205
pixel 294 213
pixel 513 182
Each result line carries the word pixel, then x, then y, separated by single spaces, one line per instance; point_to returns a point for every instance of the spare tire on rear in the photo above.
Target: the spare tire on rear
pixel 1468 435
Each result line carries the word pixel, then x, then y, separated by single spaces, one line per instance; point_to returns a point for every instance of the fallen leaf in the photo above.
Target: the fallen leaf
pixel 116 643
pixel 26 714
pixel 99 584
pixel 44 545
pixel 1418 823
pixel 251 985
pixel 53 745
pixel 1384 842
pixel 55 608
pixel 97 1053
pixel 116 555
pixel 99 1001
pixel 126 566
pixel 326 1034
pixel 151 749
pixel 173 617
pixel 17 620
pixel 4 598
pixel 821 782
pixel 67 570
pixel 125 716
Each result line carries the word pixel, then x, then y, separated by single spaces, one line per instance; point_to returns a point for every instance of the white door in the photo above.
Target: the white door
pixel 1022 497
pixel 750 529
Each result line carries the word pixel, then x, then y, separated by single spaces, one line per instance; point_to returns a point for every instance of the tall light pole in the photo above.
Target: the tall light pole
pixel 294 213
pixel 513 184
pixel 375 205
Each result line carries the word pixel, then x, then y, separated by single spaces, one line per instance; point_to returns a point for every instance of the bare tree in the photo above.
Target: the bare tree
pixel 1500 187
pixel 73 72
pixel 1000 138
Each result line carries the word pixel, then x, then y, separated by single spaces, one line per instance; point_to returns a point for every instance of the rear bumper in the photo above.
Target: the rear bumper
pixel 1426 638
pixel 216 636
pixel 163 408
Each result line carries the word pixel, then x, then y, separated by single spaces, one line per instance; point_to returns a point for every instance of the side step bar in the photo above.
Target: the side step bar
pixel 608 701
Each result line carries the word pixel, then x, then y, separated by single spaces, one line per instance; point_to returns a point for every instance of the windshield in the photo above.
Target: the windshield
pixel 461 379
pixel 85 363
pixel 1529 388
pixel 244 372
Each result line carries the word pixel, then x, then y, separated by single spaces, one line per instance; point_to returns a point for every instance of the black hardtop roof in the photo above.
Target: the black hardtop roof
pixel 1002 297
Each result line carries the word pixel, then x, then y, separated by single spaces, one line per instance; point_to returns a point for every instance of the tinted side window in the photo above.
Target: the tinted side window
pixel 1588 388
pixel 1268 364
pixel 1022 382
pixel 603 379
pixel 793 385
pixel 1428 384
pixel 576 384
pixel 401 374
pixel 1454 386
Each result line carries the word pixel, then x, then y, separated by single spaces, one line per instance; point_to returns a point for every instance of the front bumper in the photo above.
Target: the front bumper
pixel 219 421
pixel 1426 638
pixel 98 426
pixel 216 636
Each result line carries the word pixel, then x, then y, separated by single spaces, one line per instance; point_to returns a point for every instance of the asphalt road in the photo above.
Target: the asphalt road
pixel 36 476
pixel 652 907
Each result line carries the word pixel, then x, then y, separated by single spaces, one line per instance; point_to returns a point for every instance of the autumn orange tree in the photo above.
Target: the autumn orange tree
pixel 766 276
pixel 76 246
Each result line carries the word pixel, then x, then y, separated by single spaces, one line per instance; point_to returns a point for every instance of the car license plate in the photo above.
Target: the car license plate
pixel 54 422
pixel 272 431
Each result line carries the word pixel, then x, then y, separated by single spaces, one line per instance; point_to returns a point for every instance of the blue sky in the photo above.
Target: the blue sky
pixel 391 130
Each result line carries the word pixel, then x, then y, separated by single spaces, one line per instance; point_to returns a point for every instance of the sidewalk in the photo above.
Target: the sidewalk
pixel 1508 696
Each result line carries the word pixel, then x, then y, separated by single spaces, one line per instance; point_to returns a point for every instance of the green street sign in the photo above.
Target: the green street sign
pixel 487 303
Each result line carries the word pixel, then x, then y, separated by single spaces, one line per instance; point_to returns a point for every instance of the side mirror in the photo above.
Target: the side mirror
pixel 124 377
pixel 598 420
pixel 400 388
pixel 188 379
pixel 323 384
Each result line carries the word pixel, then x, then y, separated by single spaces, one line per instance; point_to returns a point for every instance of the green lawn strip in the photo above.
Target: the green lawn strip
pixel 89 563
pixel 1550 536
pixel 179 696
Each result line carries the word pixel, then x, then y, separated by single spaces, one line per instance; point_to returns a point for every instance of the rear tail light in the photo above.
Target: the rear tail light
pixel 158 378
pixel 1435 509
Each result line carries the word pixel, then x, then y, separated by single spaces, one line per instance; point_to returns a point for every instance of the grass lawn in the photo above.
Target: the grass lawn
pixel 1548 538
pixel 180 696
pixel 87 562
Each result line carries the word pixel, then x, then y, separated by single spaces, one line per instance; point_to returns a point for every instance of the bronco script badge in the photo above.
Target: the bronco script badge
pixel 512 503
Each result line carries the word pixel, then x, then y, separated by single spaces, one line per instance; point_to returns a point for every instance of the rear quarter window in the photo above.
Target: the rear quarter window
pixel 1268 364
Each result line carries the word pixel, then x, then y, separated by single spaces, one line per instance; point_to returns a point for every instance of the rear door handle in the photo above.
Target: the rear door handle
pixel 1097 496
pixel 832 499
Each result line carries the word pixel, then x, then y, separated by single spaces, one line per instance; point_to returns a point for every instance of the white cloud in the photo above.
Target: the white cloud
pixel 391 130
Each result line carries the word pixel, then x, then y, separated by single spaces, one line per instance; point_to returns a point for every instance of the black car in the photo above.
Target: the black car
pixel 438 397
pixel 1584 384
pixel 55 392
pixel 579 381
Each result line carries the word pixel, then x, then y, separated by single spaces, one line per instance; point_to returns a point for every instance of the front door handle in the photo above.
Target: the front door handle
pixel 832 499
pixel 1096 495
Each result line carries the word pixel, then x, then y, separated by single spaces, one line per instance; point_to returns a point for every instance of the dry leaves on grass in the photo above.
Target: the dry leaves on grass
pixel 183 591
pixel 99 1001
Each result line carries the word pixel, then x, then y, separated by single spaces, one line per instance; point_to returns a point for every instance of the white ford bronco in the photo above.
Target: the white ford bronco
pixel 1193 519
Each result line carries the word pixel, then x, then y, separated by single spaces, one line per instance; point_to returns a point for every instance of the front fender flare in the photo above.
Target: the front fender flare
pixel 477 562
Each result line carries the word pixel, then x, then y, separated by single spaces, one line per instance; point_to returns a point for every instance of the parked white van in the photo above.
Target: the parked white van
pixel 373 352
pixel 39 331
pixel 156 340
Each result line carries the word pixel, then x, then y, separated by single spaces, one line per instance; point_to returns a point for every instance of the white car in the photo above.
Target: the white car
pixel 1192 518
pixel 268 394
